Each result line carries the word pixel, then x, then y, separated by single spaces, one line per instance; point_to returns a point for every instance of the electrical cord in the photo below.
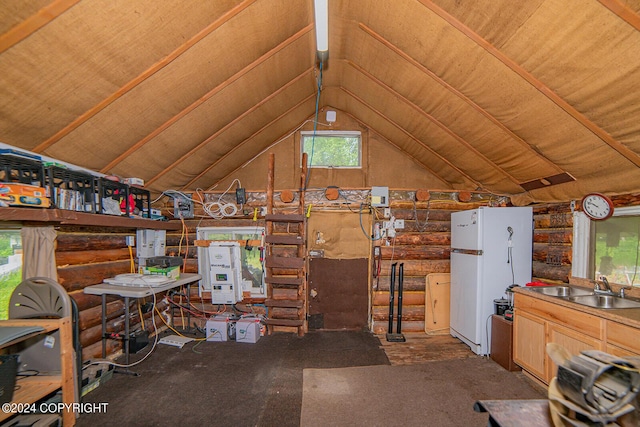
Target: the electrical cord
pixel 315 130
pixel 155 342
pixel 421 227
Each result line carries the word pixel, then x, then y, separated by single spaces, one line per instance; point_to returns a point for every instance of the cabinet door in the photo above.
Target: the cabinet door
pixel 529 336
pixel 574 342
pixel 619 351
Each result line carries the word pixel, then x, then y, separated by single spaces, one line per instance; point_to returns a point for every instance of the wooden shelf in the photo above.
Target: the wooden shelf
pixel 32 389
pixel 64 217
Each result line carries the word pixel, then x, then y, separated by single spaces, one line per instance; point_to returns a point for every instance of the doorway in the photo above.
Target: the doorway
pixel 338 281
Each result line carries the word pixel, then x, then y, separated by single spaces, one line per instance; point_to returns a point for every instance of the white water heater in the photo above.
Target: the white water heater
pixel 223 275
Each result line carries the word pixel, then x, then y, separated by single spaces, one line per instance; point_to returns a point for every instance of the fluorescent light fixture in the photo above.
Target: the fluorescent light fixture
pixel 321 8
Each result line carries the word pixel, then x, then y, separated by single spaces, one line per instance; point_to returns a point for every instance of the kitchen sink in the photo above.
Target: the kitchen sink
pixel 605 301
pixel 562 291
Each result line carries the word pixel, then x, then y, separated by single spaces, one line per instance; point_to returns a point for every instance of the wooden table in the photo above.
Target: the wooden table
pixel 516 413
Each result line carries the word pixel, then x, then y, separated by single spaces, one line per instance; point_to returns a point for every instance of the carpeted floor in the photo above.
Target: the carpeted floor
pixel 227 383
pixel 435 393
pixel 240 384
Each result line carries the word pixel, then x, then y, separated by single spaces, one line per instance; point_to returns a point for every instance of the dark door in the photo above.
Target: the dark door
pixel 338 296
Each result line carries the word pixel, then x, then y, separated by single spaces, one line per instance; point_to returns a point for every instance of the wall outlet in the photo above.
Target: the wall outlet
pixel 387 212
pixel 398 224
pixel 130 240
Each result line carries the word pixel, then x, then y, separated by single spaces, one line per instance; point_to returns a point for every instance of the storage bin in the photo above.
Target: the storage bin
pixel 71 190
pixel 21 170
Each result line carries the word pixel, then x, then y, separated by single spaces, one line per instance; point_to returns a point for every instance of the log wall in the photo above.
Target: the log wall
pixel 87 255
pixel 424 247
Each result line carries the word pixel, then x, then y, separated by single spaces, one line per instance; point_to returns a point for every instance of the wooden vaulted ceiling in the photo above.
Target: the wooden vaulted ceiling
pixel 536 99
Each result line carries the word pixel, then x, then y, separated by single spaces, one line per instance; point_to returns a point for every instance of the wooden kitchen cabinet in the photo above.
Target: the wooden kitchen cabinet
pixel 573 341
pixel 538 322
pixel 529 341
pixel 622 340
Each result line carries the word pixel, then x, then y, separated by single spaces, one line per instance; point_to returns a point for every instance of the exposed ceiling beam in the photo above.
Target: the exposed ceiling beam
pixel 411 136
pixel 143 76
pixel 460 95
pixel 402 150
pixel 623 11
pixel 291 131
pixel 228 126
pixel 247 140
pixel 33 23
pixel 533 81
pixel 433 120
pixel 234 78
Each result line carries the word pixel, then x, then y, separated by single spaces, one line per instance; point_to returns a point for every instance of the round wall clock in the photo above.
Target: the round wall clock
pixel 597 206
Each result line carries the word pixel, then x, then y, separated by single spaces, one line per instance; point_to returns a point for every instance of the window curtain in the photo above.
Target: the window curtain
pixel 38 252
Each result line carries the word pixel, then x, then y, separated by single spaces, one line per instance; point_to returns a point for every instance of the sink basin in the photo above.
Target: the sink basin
pixel 561 291
pixel 605 301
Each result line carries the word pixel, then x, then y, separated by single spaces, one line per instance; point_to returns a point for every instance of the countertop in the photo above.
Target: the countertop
pixel 627 316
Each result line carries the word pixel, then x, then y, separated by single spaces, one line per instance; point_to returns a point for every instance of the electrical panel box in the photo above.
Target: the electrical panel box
pixel 223 276
pixel 182 207
pixel 380 197
pixel 150 243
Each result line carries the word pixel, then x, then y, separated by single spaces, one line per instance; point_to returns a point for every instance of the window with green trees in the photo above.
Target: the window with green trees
pixel 332 149
pixel 616 249
pixel 10 266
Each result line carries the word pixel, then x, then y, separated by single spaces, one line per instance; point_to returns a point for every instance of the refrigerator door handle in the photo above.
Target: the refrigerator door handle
pixel 467 251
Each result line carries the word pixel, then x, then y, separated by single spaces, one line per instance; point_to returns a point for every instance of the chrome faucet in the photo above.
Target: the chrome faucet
pixel 607 288
pixel 622 291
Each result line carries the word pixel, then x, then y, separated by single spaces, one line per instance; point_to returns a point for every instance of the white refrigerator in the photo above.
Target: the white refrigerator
pixel 491 249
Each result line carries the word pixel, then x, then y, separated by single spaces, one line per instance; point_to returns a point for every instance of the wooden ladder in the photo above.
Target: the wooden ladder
pixel 285 261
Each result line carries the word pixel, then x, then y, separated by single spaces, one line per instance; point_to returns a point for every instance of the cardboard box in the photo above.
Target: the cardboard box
pixel 172 272
pixel 134 181
pixel 248 330
pixel 23 195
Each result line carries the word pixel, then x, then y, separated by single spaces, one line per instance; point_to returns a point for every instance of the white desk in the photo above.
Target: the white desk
pixel 127 292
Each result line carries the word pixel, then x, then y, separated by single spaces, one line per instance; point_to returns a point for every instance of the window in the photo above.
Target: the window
pixel 10 266
pixel 332 149
pixel 608 248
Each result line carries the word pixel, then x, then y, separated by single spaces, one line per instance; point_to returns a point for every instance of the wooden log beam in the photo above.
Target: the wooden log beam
pixel 562 254
pixel 551 272
pixel 409 312
pixel 76 277
pixel 415 252
pixel 442 215
pixel 380 327
pixel 88 241
pixel 410 283
pixel 558 236
pixel 437 239
pixel 93 316
pixel 380 298
pixel 92 256
pixel 418 267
